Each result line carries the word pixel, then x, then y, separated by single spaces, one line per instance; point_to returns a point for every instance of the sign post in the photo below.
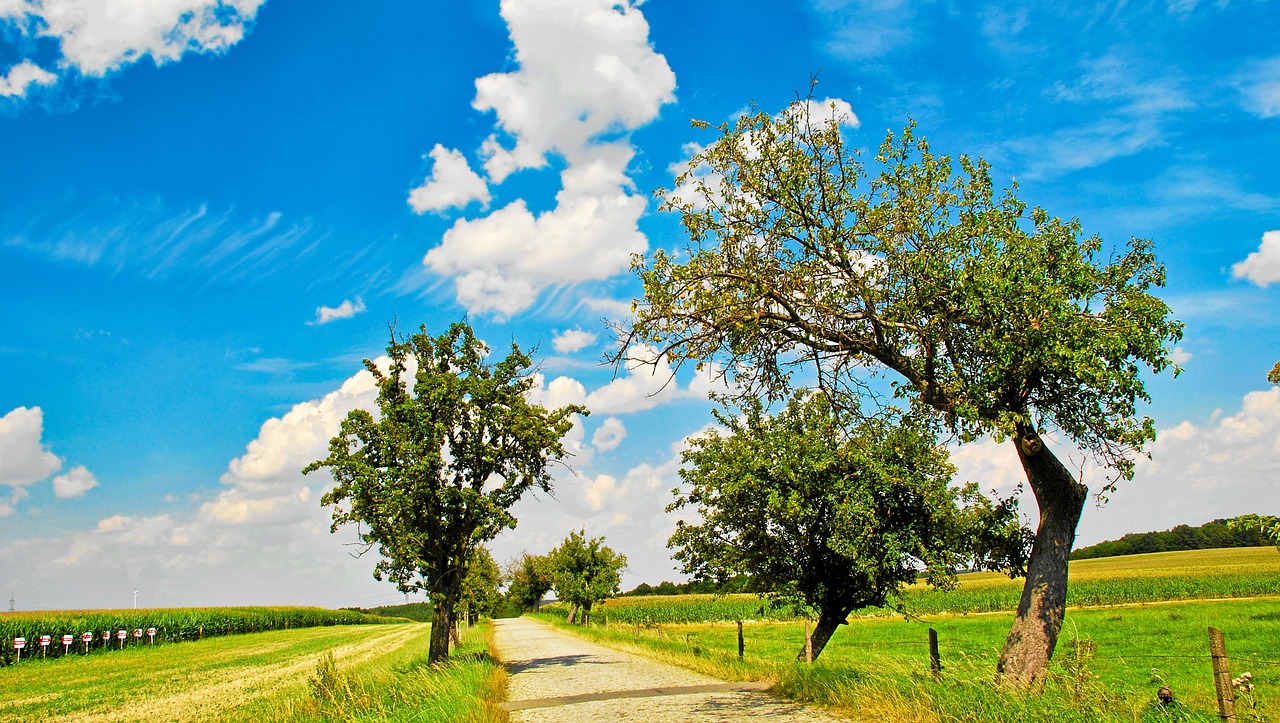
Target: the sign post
pixel 18 645
pixel 86 639
pixel 151 633
pixel 121 635
pixel 44 644
pixel 106 638
pixel 67 640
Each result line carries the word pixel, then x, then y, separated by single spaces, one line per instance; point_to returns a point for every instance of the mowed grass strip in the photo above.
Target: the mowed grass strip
pixel 346 673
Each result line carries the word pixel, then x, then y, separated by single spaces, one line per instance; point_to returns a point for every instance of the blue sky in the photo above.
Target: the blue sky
pixel 211 211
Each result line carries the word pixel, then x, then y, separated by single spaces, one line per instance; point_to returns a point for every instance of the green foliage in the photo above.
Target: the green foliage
pixel 585 571
pixel 480 596
pixel 822 510
pixel 997 317
pixel 1211 535
pixel 735 584
pixel 529 578
pixel 1273 376
pixel 1265 525
pixel 171 624
pixel 455 445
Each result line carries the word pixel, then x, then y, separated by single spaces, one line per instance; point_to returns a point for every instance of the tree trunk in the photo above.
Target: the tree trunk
pixel 586 614
pixel 1061 499
pixel 573 613
pixel 822 632
pixel 440 625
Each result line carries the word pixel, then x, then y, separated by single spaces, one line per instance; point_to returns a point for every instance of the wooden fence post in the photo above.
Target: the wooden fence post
pixel 808 642
pixel 1222 676
pixel 741 643
pixel 935 660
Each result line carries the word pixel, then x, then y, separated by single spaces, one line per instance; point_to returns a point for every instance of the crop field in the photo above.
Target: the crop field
pixel 1162 576
pixel 171 625
pixel 348 672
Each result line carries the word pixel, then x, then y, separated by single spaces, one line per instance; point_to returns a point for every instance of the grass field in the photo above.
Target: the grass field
pixel 350 673
pixel 1115 651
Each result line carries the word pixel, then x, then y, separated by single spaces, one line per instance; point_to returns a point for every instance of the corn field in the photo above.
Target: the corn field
pixel 171 625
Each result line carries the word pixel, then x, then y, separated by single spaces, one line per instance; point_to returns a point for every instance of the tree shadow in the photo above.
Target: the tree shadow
pixel 560 661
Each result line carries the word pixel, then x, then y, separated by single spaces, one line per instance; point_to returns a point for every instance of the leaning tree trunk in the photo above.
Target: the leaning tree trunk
pixel 1061 499
pixel 822 632
pixel 573 613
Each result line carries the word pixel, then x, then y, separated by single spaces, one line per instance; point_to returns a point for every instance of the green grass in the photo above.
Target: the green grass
pixel 359 673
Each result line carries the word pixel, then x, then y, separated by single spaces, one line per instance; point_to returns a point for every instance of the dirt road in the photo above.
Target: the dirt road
pixel 560 678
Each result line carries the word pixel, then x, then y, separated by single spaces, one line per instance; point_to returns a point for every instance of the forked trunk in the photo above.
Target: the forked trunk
pixel 822 632
pixel 440 627
pixel 1061 499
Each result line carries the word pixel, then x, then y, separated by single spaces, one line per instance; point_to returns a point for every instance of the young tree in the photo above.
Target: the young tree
pixel 455 444
pixel 530 580
pixel 830 513
pixel 997 319
pixel 1273 376
pixel 584 572
pixel 480 596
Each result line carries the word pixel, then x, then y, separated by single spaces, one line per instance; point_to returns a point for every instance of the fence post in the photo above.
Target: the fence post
pixel 741 643
pixel 935 660
pixel 1222 676
pixel 808 642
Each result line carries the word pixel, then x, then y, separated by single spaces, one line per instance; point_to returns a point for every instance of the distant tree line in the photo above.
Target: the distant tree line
pixel 1210 535
pixel 737 584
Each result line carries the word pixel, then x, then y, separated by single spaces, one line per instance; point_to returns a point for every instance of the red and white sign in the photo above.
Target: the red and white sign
pixel 45 640
pixel 19 643
pixel 106 635
pixel 151 633
pixel 68 639
pixel 122 634
pixel 137 633
pixel 87 638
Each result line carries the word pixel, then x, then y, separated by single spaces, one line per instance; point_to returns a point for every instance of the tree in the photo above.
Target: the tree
pixel 1273 376
pixel 584 572
pixel 480 596
pixel 454 446
pixel 827 512
pixel 530 580
pixel 1266 525
pixel 996 319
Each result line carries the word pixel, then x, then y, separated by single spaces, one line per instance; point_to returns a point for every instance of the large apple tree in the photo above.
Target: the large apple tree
pixel 999 319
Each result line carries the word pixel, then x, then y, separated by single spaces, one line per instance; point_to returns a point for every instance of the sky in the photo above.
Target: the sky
pixel 212 210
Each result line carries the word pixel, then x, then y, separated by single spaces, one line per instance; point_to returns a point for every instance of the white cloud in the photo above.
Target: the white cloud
pixel 586 75
pixel 609 435
pixel 828 110
pixel 99 36
pixel 1180 356
pixel 21 77
pixel 345 310
pixel 1262 267
pixel 24 459
pixel 572 340
pixel 1259 84
pixel 452 184
pixel 74 483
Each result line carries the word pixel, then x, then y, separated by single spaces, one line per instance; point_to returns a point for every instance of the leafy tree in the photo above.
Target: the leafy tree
pixel 828 513
pixel 1265 525
pixel 480 596
pixel 998 319
pixel 530 580
pixel 434 475
pixel 1273 376
pixel 585 571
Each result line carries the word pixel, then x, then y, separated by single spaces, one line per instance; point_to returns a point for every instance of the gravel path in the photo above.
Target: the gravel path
pixel 560 678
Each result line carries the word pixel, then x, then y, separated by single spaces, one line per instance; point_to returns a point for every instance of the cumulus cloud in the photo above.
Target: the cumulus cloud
pixel 345 310
pixel 567 342
pixel 24 459
pixel 586 76
pixel 74 483
pixel 1262 267
pixel 21 77
pixel 609 435
pixel 96 37
pixel 452 184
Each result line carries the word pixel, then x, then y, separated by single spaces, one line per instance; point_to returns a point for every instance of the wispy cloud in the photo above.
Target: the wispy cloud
pixel 345 310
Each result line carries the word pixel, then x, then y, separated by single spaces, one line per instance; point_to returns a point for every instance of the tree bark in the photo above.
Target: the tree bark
pixel 573 613
pixel 1061 499
pixel 822 632
pixel 440 626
